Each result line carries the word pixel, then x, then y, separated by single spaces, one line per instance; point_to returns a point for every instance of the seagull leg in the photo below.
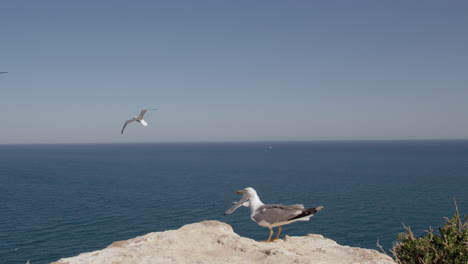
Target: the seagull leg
pixel 269 238
pixel 279 232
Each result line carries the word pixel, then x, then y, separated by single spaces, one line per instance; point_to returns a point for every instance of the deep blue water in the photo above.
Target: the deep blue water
pixel 61 200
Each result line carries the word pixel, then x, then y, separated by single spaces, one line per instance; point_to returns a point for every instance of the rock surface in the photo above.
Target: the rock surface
pixel 210 242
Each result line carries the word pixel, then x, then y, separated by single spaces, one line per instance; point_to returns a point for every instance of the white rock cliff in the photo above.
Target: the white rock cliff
pixel 210 242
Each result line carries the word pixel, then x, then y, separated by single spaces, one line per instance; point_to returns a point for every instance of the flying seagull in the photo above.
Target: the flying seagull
pixel 272 215
pixel 138 118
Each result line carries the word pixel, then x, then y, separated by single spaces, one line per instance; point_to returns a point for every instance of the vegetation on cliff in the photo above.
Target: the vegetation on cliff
pixel 449 246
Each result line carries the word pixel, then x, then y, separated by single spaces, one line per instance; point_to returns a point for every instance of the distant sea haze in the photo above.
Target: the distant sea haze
pixel 62 200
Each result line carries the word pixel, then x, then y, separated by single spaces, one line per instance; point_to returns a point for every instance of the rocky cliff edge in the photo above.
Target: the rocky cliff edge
pixel 210 242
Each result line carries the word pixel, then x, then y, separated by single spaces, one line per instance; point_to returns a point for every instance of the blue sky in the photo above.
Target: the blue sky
pixel 233 70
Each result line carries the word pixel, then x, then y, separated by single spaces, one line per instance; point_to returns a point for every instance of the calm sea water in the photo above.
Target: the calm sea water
pixel 61 200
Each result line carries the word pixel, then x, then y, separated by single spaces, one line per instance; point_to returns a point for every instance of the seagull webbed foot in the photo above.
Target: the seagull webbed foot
pixel 269 238
pixel 279 232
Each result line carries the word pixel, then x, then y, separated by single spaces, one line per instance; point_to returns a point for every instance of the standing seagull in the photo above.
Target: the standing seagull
pixel 272 215
pixel 138 118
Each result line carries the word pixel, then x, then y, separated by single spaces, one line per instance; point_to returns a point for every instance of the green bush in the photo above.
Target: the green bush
pixel 449 246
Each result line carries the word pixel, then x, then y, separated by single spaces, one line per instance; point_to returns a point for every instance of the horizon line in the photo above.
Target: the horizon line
pixel 240 141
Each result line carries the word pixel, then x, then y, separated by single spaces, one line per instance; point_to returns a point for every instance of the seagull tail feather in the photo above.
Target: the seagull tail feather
pixel 307 213
pixel 316 209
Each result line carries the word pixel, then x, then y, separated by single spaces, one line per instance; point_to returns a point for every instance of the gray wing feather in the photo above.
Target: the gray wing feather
pixel 126 123
pixel 237 205
pixel 274 213
pixel 142 113
pixel 286 207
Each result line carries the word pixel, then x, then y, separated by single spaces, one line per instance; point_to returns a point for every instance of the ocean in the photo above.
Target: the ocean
pixel 60 200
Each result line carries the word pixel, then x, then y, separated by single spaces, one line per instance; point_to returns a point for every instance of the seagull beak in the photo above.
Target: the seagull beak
pixel 240 192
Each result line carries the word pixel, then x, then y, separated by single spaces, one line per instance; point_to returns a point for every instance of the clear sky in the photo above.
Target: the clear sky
pixel 233 70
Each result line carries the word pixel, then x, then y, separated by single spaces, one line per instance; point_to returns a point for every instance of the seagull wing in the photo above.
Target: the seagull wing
pixel 276 213
pixel 142 113
pixel 245 204
pixel 237 205
pixel 126 123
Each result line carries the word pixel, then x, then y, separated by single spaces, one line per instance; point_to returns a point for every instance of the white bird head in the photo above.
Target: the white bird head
pixel 248 193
